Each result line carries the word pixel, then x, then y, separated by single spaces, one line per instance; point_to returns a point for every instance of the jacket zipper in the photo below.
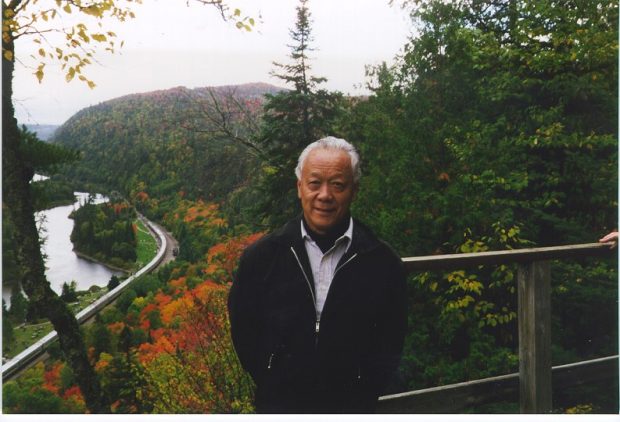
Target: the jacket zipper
pixel 270 360
pixel 317 323
pixel 343 264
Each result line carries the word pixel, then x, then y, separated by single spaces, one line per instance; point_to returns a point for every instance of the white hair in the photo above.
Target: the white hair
pixel 331 142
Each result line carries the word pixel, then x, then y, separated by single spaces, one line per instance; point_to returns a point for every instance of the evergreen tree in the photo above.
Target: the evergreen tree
pixel 69 293
pixel 113 283
pixel 7 327
pixel 19 306
pixel 291 121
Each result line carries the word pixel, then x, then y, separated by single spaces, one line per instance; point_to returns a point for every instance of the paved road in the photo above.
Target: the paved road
pixel 171 244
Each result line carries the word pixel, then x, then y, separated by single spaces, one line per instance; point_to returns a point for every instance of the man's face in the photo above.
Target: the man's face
pixel 326 188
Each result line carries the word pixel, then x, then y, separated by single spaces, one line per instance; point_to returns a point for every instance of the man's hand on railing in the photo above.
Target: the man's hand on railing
pixel 611 237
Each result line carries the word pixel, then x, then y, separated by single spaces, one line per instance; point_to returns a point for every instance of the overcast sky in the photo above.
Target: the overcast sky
pixel 167 46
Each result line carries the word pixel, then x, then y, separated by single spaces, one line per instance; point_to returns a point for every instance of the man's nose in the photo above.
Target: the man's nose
pixel 325 193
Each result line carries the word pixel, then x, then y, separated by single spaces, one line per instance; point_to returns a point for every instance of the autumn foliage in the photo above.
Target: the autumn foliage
pixel 170 351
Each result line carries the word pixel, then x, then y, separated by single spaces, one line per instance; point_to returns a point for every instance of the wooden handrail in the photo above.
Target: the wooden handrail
pixel 464 260
pixel 534 306
pixel 455 398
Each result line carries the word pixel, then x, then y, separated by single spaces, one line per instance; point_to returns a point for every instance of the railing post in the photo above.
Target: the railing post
pixel 534 295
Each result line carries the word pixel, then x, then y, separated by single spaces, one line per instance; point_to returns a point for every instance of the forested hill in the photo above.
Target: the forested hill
pixel 176 141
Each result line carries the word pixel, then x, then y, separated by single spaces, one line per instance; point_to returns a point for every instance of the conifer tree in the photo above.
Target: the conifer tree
pixel 292 119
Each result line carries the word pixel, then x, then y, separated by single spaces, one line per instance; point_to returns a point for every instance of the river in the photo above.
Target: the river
pixel 62 264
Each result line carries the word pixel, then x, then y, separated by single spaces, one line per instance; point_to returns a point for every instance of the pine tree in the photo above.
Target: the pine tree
pixel 292 120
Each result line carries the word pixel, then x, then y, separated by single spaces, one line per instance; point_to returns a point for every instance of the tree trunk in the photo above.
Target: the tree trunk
pixel 16 176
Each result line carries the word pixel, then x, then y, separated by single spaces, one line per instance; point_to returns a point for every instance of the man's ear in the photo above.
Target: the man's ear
pixel 299 188
pixel 356 188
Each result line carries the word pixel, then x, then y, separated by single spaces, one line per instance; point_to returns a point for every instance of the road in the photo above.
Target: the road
pixel 171 244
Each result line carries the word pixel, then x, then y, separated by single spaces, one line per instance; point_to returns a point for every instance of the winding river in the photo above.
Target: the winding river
pixel 62 264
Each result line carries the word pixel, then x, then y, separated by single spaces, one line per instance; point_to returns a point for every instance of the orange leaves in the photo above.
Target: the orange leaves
pixel 200 214
pixel 115 328
pixel 142 196
pixel 103 362
pixel 177 308
pixel 444 177
pixel 189 362
pixel 204 290
pixel 203 211
pixel 119 207
pixel 147 351
pixel 179 283
pixel 222 258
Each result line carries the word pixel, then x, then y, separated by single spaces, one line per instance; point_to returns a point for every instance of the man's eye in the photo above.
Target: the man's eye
pixel 314 183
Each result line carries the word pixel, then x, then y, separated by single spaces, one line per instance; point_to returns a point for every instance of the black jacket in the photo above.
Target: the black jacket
pixel 300 365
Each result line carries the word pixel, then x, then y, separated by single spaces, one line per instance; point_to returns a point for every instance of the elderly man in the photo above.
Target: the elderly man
pixel 318 307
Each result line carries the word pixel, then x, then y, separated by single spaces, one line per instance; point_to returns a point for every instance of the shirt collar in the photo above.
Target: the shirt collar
pixel 347 234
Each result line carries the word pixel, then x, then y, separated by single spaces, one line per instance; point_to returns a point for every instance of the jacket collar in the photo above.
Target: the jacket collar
pixel 290 235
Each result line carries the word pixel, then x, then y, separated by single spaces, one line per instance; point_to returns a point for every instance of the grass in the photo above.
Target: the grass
pixel 147 245
pixel 28 334
pixel 25 336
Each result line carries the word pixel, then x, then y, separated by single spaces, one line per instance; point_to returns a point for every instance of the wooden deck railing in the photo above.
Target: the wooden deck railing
pixel 535 376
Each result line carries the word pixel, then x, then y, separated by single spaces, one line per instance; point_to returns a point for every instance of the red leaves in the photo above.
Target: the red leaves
pixel 52 378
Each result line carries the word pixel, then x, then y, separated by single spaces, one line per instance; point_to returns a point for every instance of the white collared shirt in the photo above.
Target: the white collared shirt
pixel 324 264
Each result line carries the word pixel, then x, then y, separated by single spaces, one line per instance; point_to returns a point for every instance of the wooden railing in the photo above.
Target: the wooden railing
pixel 534 380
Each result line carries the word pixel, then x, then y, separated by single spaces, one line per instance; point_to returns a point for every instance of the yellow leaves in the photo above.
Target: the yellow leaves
pixel 246 23
pixel 93 10
pixel 74 50
pixel 70 74
pixel 39 73
pixel 99 37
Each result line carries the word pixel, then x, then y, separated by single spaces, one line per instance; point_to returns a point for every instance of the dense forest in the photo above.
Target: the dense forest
pixel 105 232
pixel 495 129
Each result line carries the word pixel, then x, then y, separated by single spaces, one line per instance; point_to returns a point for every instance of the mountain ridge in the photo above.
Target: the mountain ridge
pixel 172 141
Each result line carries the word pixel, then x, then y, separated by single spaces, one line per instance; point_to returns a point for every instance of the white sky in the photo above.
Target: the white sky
pixel 170 45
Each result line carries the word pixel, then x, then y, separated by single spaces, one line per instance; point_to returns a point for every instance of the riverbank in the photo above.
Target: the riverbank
pixel 57 203
pixel 101 262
